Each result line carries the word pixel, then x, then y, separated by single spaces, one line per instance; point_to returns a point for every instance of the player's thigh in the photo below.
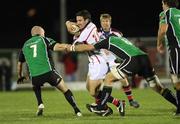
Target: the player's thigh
pixel 109 78
pixel 54 78
pixel 40 79
pixel 62 86
pixel 93 85
pixel 97 71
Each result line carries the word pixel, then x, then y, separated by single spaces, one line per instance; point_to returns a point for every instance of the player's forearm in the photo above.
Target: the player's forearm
pixel 81 47
pixel 60 47
pixel 19 69
pixel 160 38
pixel 161 34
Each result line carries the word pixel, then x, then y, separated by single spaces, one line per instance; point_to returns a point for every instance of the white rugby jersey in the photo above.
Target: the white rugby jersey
pixel 89 35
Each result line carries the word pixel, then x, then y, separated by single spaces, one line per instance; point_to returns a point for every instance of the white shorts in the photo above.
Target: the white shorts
pixel 97 71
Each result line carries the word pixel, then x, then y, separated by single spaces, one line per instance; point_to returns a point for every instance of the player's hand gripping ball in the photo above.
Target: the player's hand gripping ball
pixel 72 27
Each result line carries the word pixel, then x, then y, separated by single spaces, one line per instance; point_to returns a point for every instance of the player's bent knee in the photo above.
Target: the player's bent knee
pixel 154 81
pixel 62 86
pixel 117 73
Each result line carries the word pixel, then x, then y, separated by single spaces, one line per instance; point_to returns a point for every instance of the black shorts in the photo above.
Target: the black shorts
pixel 174 60
pixel 52 77
pixel 140 65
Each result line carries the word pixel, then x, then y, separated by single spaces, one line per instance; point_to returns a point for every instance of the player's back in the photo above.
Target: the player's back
pixel 36 55
pixel 124 46
pixel 173 19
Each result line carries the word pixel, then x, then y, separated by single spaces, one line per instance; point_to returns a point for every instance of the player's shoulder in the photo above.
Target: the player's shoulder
pixel 162 15
pixel 47 38
pixel 90 25
pixel 116 32
pixel 30 40
pixel 176 11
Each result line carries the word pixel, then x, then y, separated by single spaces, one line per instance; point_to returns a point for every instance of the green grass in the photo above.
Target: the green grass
pixel 19 107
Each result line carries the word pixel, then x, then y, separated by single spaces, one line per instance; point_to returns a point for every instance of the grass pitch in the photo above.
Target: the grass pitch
pixel 19 107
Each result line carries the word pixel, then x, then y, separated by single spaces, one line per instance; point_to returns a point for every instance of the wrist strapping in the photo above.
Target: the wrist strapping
pixel 72 48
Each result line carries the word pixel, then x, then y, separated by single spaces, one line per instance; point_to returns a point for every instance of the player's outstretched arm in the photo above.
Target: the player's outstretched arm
pixel 60 47
pixel 81 47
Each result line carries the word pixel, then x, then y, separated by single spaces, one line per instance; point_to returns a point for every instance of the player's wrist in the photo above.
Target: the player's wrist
pixel 72 48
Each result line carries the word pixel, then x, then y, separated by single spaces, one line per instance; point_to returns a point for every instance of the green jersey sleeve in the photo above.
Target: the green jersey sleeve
pixel 162 19
pixel 50 42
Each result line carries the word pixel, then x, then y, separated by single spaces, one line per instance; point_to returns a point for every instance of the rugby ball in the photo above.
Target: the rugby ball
pixel 74 28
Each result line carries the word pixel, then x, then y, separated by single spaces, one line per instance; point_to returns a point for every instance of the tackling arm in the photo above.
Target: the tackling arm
pixel 80 47
pixel 60 47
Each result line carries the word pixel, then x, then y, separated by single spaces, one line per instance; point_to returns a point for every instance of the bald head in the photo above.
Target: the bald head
pixel 37 30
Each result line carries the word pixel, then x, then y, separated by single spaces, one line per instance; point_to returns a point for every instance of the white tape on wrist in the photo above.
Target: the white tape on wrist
pixel 72 48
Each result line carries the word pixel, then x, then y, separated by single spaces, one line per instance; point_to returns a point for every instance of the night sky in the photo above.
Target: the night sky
pixel 133 18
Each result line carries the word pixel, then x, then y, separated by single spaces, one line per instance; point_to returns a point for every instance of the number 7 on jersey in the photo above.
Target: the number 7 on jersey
pixel 34 47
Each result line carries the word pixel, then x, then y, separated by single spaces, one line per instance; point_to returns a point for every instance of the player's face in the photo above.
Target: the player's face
pixel 164 6
pixel 106 24
pixel 81 22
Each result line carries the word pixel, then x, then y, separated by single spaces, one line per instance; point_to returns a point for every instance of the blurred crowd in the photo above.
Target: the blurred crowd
pixel 5 74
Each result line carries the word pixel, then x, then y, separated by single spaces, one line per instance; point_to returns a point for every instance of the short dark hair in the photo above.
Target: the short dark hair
pixel 85 14
pixel 171 3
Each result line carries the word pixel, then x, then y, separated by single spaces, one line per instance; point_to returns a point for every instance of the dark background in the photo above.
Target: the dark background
pixel 134 18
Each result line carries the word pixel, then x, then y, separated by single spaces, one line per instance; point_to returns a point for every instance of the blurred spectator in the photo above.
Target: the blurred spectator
pixel 5 75
pixel 140 44
pixel 70 61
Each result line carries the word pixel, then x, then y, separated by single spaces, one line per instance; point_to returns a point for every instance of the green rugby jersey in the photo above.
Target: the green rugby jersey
pixel 172 18
pixel 120 46
pixel 162 18
pixel 37 55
